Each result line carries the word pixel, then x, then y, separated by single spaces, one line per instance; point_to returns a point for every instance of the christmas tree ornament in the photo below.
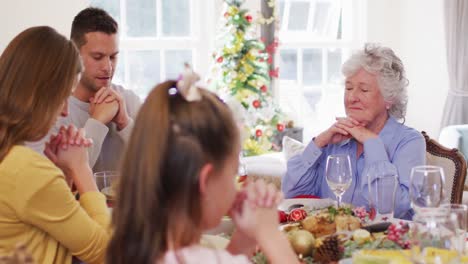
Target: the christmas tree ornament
pixel 258 133
pixel 256 104
pixel 280 127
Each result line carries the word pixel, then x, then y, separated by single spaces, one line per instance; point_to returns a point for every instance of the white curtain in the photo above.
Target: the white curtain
pixel 456 32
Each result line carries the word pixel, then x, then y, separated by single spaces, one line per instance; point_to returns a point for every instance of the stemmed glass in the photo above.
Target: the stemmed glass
pixel 338 174
pixel 427 187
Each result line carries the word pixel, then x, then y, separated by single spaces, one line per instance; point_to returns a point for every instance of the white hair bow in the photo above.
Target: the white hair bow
pixel 188 85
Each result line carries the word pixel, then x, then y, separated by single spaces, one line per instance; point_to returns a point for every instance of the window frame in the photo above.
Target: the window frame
pixel 353 36
pixel 198 42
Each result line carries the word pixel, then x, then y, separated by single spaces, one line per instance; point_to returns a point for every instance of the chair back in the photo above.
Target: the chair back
pixel 454 165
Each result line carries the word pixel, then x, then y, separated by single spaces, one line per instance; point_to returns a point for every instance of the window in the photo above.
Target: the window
pixel 156 38
pixel 316 37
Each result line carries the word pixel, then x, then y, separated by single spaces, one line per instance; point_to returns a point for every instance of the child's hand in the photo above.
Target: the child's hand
pixel 263 195
pixel 254 211
pixel 256 218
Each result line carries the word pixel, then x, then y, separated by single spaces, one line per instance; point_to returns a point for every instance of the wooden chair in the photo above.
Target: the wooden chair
pixel 454 165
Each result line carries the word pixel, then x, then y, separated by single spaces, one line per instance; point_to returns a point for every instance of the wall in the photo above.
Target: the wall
pixel 414 29
pixel 17 15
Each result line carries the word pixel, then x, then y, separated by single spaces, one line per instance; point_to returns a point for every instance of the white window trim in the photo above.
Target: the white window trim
pixel 353 37
pixel 200 41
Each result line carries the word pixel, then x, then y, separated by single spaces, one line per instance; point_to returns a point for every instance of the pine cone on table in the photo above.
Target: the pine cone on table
pixel 330 250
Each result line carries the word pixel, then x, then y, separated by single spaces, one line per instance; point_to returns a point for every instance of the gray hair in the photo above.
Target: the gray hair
pixel 390 72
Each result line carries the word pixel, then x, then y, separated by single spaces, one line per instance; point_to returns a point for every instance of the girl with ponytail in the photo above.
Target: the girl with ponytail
pixel 178 180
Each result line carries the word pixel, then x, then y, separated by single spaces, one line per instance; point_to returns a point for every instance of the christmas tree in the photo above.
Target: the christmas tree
pixel 242 77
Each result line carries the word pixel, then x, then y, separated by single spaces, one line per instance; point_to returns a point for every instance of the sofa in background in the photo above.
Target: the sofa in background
pixel 456 136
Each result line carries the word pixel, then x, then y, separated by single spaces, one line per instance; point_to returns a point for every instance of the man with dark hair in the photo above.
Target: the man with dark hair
pixel 105 110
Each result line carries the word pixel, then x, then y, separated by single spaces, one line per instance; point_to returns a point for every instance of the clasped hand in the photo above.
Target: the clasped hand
pixel 344 128
pixel 108 105
pixel 254 211
pixel 68 151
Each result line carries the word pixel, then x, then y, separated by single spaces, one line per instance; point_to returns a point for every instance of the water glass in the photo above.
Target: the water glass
pixel 106 183
pixel 459 214
pixel 338 174
pixel 382 184
pixel 426 186
pixel 434 237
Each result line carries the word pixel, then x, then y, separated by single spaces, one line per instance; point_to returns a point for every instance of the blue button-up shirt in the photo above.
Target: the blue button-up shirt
pixel 396 143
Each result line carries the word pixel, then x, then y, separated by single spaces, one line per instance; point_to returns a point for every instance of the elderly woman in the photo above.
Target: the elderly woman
pixel 375 98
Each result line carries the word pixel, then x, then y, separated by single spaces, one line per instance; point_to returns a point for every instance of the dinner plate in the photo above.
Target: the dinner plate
pixel 309 203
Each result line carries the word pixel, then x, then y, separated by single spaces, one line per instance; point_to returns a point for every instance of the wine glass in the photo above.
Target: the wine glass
pixel 426 186
pixel 338 174
pixel 382 184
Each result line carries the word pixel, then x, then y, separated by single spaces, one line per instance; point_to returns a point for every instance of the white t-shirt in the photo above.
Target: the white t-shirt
pixel 108 142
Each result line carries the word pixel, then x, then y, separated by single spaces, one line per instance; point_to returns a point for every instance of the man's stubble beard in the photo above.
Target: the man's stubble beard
pixel 88 84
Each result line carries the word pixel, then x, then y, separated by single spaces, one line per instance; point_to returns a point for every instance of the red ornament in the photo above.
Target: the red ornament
pixel 226 15
pixel 283 217
pixel 258 133
pixel 219 59
pixel 261 60
pixel 248 18
pixel 270 60
pixel 263 88
pixel 256 103
pixel 274 73
pixel 280 127
pixel 297 214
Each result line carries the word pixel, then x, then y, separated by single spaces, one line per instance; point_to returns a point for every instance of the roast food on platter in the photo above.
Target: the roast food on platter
pixel 325 222
pixel 330 234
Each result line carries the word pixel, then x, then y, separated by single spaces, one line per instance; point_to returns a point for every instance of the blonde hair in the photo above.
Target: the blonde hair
pixel 37 72
pixel 158 198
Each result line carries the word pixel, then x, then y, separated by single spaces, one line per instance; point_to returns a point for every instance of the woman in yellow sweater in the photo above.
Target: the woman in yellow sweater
pixel 38 71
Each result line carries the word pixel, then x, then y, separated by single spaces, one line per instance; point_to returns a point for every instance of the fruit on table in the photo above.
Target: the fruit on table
pixel 361 236
pixel 302 242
